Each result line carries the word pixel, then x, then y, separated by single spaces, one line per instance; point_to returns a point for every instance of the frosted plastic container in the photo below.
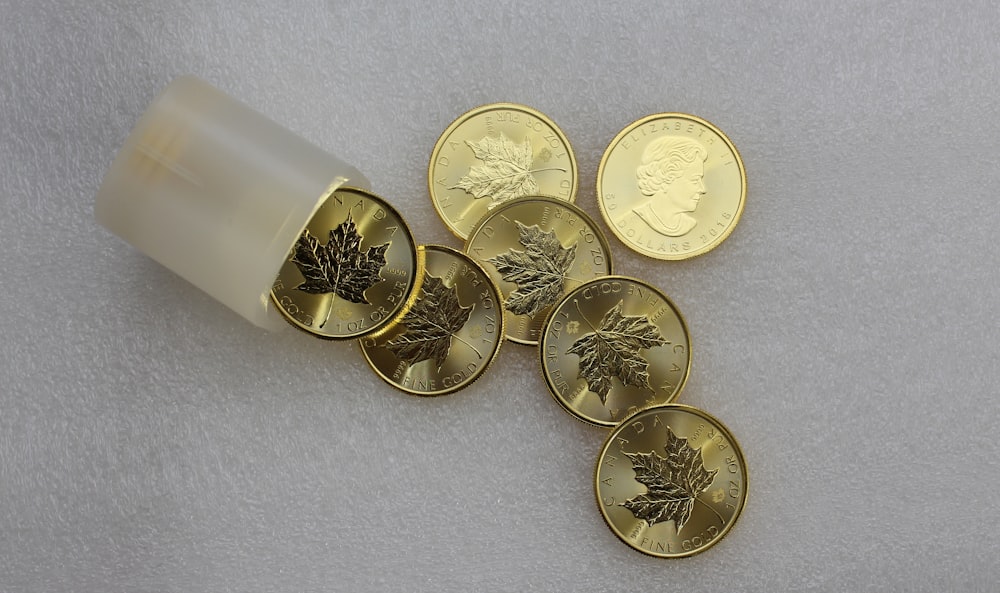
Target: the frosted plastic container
pixel 218 193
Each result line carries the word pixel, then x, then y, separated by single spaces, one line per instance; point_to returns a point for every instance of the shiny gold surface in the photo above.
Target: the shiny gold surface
pixel 496 153
pixel 536 249
pixel 363 266
pixel 451 334
pixel 671 186
pixel 614 346
pixel 671 481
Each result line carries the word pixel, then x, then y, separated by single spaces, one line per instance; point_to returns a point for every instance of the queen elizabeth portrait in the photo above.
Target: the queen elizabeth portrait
pixel 671 174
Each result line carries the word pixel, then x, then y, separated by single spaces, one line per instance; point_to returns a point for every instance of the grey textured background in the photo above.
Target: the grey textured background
pixel 150 440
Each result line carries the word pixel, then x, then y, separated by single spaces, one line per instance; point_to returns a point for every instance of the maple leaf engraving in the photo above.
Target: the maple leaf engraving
pixel 505 172
pixel 672 482
pixel 539 270
pixel 339 267
pixel 613 351
pixel 431 324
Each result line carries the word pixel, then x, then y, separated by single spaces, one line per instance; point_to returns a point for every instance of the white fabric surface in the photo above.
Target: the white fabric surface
pixel 151 440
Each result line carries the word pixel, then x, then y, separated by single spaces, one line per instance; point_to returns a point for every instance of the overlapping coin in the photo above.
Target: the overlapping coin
pixel 671 481
pixel 351 271
pixel 536 249
pixel 493 154
pixel 449 336
pixel 613 346
pixel 671 186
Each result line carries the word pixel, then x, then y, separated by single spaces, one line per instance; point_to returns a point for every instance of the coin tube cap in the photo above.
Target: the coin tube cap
pixel 218 193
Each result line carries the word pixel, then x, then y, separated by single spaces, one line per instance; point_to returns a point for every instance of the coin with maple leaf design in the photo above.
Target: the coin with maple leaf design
pixel 613 346
pixel 671 481
pixel 449 336
pixel 352 270
pixel 497 153
pixel 536 249
pixel 671 186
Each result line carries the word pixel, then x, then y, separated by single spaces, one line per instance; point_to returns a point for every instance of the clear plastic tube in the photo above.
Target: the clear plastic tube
pixel 218 193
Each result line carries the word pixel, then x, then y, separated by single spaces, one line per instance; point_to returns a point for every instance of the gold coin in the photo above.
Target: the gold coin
pixel 352 269
pixel 536 249
pixel 497 153
pixel 671 186
pixel 450 335
pixel 614 346
pixel 671 481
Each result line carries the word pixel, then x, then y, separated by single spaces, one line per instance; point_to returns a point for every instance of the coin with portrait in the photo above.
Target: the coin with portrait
pixel 671 186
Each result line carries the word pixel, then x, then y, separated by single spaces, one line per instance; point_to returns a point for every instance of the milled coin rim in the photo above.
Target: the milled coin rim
pixel 703 249
pixel 566 298
pixel 712 420
pixel 501 326
pixel 416 258
pixel 494 107
pixel 601 237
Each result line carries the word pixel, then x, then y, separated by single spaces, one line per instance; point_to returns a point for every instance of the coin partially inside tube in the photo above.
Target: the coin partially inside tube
pixel 217 193
pixel 351 271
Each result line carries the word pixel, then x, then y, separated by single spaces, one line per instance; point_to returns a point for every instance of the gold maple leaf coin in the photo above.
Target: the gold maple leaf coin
pixel 612 346
pixel 536 249
pixel 505 171
pixel 340 266
pixel 671 481
pixel 539 270
pixel 493 154
pixel 431 324
pixel 451 334
pixel 612 350
pixel 352 270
